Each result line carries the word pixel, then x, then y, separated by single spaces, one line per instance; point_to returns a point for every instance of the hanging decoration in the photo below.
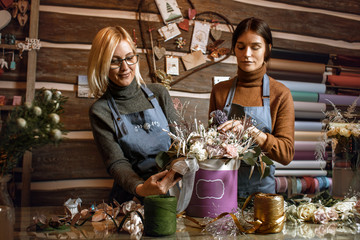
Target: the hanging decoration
pixel 169 10
pixel 184 25
pixel 192 14
pixel 215 51
pixel 180 42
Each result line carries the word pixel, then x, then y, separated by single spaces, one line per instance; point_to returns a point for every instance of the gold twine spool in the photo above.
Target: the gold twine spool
pixel 269 209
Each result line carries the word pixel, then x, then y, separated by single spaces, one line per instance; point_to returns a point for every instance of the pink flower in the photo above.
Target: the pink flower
pixel 231 151
pixel 331 214
pixel 357 206
pixel 320 216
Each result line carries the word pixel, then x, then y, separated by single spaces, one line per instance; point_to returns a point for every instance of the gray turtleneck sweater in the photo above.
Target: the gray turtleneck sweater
pixel 128 99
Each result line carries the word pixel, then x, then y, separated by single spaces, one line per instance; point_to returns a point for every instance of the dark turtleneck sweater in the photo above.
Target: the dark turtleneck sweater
pixel 279 145
pixel 128 99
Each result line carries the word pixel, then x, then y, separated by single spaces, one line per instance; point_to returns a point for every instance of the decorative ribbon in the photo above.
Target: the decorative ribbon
pixel 160 215
pixel 269 214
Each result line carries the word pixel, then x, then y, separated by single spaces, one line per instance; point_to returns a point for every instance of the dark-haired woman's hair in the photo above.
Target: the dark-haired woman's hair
pixel 258 26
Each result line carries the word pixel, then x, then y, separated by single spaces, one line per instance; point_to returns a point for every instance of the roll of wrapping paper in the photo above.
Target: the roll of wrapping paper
pixel 314 126
pixel 305 155
pixel 299 173
pixel 304 86
pixel 345 60
pixel 306 115
pixel 308 136
pixel 295 76
pixel 299 55
pixel 160 215
pixel 269 209
pixel 339 100
pixel 344 81
pixel 305 145
pixel 305 96
pixel 309 106
pixel 298 164
pixel 295 66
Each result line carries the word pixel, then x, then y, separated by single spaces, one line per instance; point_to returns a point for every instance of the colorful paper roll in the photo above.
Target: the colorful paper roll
pixel 295 66
pixel 306 145
pixel 295 76
pixel 308 126
pixel 305 155
pixel 302 165
pixel 344 81
pixel 339 100
pixel 160 215
pixel 299 173
pixel 310 106
pixel 299 55
pixel 305 96
pixel 304 86
pixel 306 115
pixel 308 136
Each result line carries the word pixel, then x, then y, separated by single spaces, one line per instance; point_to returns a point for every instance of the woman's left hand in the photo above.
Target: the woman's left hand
pixel 234 125
pixel 158 184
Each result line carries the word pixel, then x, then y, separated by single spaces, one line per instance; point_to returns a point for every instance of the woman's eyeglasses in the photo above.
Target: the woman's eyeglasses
pixel 130 60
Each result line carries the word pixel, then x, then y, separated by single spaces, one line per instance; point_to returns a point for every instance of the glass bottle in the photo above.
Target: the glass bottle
pixel 7 211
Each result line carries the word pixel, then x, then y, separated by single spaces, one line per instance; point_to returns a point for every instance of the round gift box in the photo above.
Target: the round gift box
pixel 215 188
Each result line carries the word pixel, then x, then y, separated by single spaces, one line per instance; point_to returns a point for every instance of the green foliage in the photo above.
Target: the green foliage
pixel 31 125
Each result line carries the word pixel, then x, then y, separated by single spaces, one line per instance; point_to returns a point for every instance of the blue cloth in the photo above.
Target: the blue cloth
pixel 261 118
pixel 141 137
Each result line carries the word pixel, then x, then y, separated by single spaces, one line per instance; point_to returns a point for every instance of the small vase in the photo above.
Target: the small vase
pixel 7 211
pixel 354 187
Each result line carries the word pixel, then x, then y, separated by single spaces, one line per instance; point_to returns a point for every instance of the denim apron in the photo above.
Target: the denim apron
pixel 261 118
pixel 141 137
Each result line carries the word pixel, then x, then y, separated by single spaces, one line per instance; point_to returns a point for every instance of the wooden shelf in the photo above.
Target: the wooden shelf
pixel 7 107
pixel 8 46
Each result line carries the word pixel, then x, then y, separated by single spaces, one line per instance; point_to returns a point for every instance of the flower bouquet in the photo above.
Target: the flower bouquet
pixel 31 125
pixel 213 158
pixel 342 131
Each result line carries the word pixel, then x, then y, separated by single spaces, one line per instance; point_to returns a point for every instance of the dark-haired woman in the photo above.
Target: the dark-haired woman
pixel 253 93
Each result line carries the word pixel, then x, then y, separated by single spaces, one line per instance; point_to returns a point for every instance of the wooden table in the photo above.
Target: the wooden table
pixel 185 229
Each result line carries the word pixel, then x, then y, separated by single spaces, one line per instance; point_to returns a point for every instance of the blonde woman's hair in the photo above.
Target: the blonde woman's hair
pixel 101 52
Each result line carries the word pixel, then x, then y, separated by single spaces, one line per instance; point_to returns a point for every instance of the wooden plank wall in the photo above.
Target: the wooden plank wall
pixel 66 29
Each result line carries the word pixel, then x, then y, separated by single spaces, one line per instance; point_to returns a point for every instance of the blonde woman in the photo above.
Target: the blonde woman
pixel 128 117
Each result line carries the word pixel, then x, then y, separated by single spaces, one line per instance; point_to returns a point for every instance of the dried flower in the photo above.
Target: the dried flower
pixel 305 212
pixel 218 117
pixel 194 140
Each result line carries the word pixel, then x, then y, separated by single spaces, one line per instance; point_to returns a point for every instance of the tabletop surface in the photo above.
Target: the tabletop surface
pixel 185 229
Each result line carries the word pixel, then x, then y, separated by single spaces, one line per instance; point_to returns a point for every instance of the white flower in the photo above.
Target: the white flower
pixel 306 211
pixel 37 111
pixel 54 118
pixel 345 132
pixel 344 206
pixel 198 150
pixel 21 122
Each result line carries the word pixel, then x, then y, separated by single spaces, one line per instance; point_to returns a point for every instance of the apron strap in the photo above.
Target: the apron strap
pixel 266 90
pixel 230 97
pixel 119 124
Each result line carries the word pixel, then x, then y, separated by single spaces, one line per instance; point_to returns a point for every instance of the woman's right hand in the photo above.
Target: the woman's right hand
pixel 158 184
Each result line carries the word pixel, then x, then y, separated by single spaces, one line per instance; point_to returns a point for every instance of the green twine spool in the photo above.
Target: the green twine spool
pixel 160 215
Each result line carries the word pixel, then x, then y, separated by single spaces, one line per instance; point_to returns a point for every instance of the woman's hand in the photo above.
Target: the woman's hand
pixel 234 125
pixel 158 184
